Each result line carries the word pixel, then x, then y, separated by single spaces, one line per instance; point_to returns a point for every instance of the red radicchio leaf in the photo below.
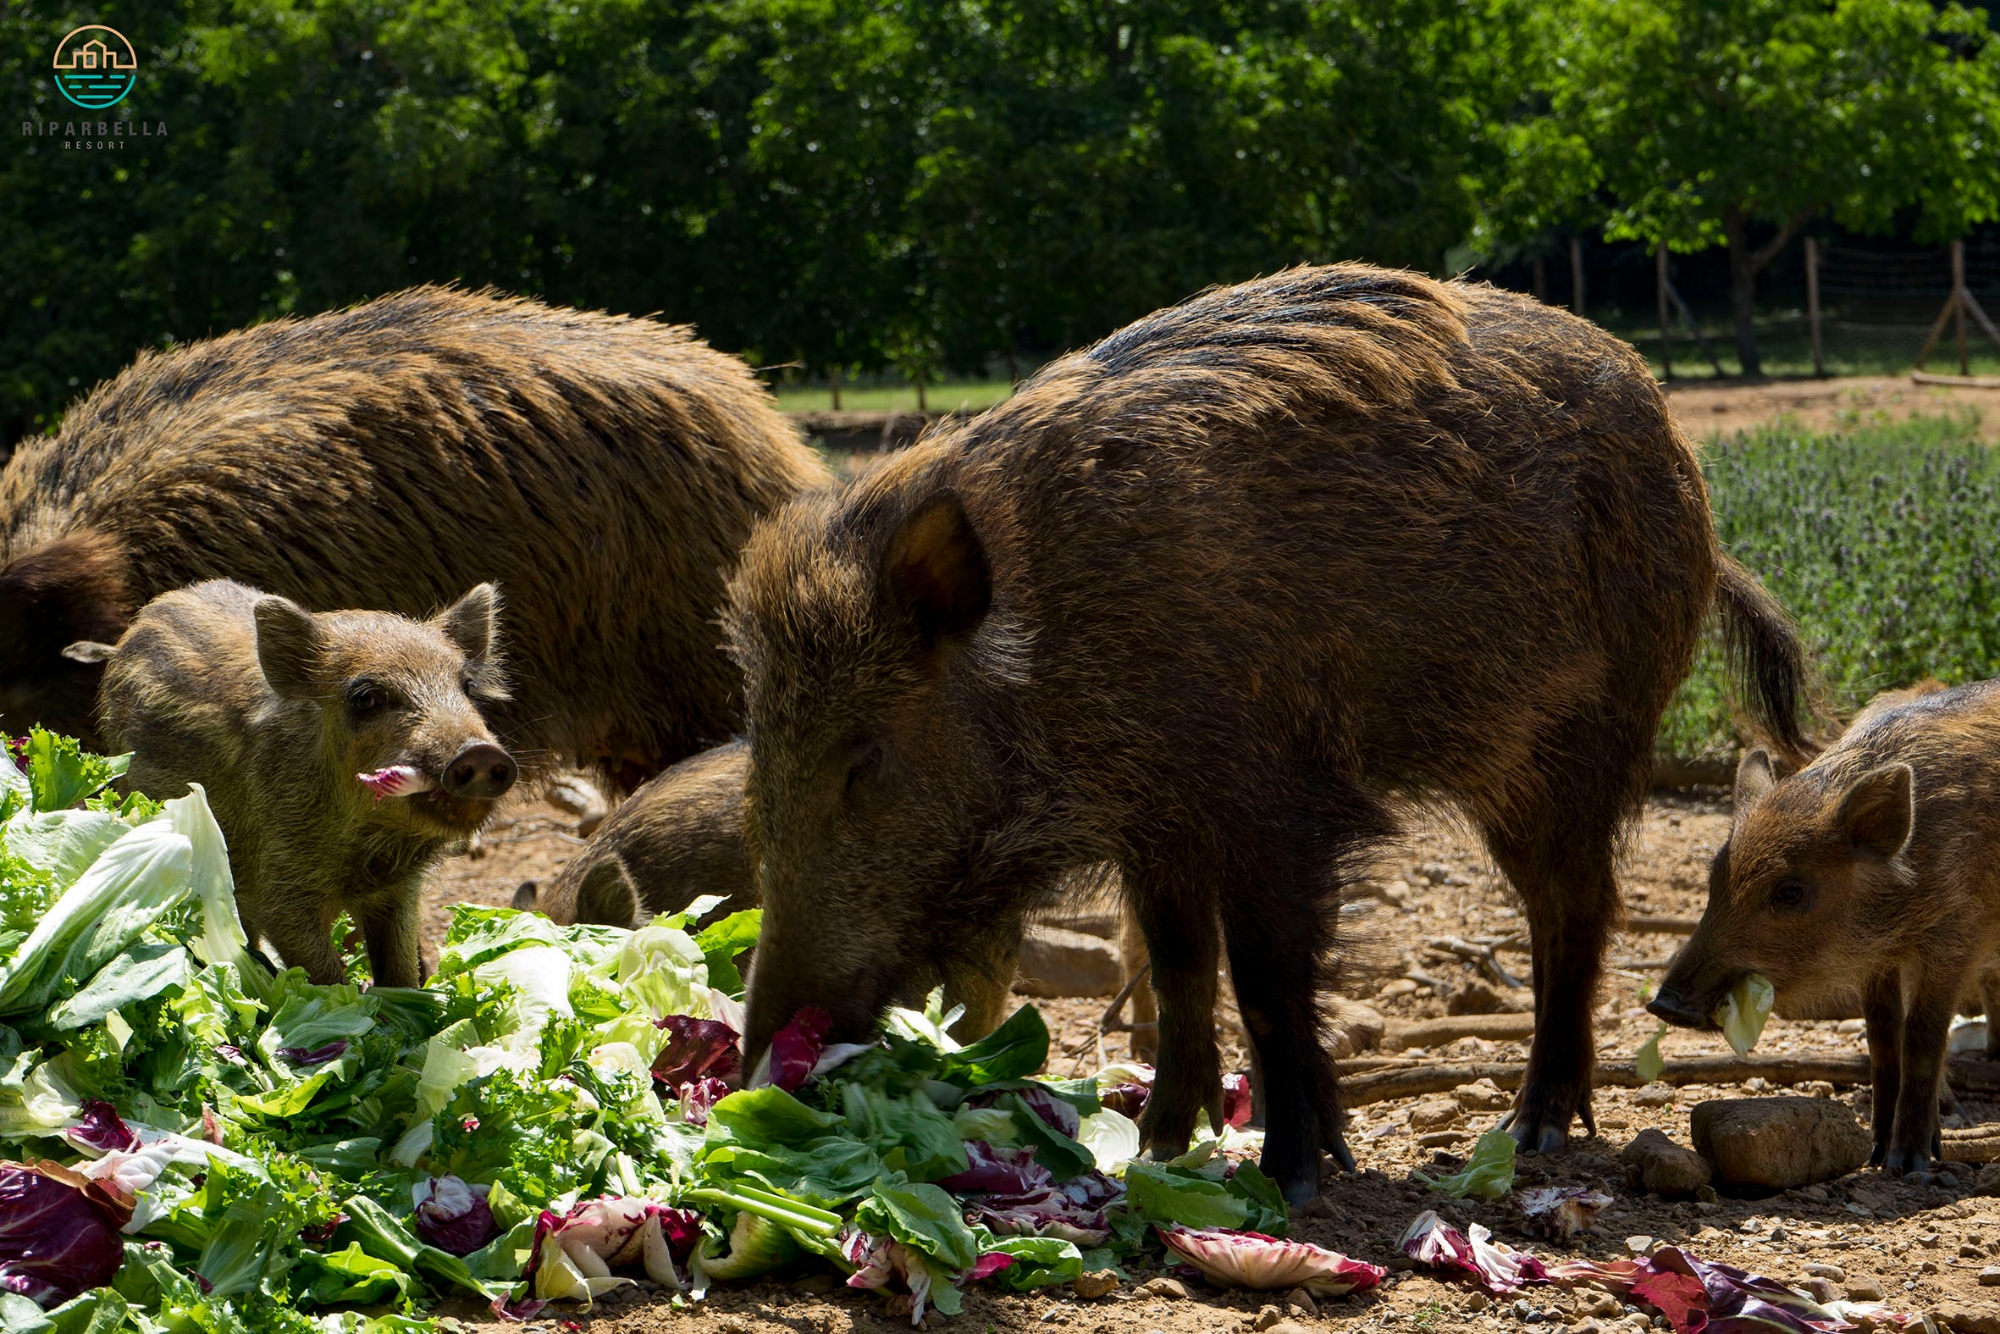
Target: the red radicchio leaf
pixel 1125 1099
pixel 1005 1171
pixel 332 1051
pixel 58 1231
pixel 696 1049
pixel 102 1129
pixel 1679 1297
pixel 454 1217
pixel 1230 1258
pixel 795 1048
pixel 698 1097
pixel 987 1265
pixel 1236 1099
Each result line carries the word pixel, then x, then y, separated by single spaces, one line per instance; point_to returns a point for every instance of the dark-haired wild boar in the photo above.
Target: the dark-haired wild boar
pixel 1873 870
pixel 680 836
pixel 1197 601
pixel 603 471
pixel 280 714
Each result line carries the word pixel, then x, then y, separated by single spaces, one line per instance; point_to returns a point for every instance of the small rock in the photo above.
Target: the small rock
pixel 1779 1142
pixel 1604 1304
pixel 1482 1095
pixel 1655 1095
pixel 1928 1267
pixel 1477 1301
pixel 1587 1325
pixel 1820 1269
pixel 1289 1327
pixel 1989 1277
pixel 1819 1289
pixel 1094 1285
pixel 1266 1318
pixel 1967 1251
pixel 1817 1194
pixel 1864 1290
pixel 1986 1181
pixel 1443 1139
pixel 1930 1241
pixel 1665 1168
pixel 1476 997
pixel 1300 1302
pixel 1963 1318
pixel 1433 1114
pixel 1401 986
pixel 1055 962
pixel 1639 1245
pixel 1170 1288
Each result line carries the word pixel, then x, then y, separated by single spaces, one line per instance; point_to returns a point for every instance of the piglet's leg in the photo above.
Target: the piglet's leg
pixel 389 925
pixel 1882 1009
pixel 1926 1035
pixel 300 930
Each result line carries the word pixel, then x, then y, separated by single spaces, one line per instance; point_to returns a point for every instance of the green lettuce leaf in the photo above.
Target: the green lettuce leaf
pixel 922 1216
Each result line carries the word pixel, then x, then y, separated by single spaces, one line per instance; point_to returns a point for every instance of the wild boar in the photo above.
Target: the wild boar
pixel 604 471
pixel 1202 601
pixel 678 837
pixel 1874 869
pixel 279 714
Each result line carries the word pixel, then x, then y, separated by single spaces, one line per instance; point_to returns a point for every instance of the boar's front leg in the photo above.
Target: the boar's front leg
pixel 301 929
pixel 1563 874
pixel 981 978
pixel 1926 1035
pixel 1176 910
pixel 389 926
pixel 1882 1012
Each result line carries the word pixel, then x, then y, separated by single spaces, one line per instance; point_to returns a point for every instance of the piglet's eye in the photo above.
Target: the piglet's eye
pixel 1792 896
pixel 365 699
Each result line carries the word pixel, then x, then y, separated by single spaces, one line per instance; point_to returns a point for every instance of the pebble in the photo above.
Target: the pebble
pixel 1819 1269
pixel 1098 1283
pixel 1962 1318
pixel 1443 1139
pixel 1477 1301
pixel 1301 1302
pixel 1819 1289
pixel 1266 1318
pixel 1928 1267
pixel 1170 1288
pixel 1289 1327
pixel 1655 1095
pixel 1639 1244
pixel 1587 1325
pixel 1864 1290
pixel 1989 1277
pixel 1665 1168
pixel 1967 1251
pixel 1986 1181
pixel 1434 1114
pixel 1930 1241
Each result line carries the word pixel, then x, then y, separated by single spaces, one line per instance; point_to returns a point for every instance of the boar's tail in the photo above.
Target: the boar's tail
pixel 1767 658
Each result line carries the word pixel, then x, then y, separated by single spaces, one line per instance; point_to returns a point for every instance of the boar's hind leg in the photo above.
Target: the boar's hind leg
pixel 1276 943
pixel 1563 874
pixel 1176 911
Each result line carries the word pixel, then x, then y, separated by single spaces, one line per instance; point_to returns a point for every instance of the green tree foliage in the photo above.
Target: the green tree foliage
pixel 1688 121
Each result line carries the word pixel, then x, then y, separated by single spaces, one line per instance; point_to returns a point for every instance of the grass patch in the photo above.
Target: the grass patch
pixel 1883 540
pixel 963 396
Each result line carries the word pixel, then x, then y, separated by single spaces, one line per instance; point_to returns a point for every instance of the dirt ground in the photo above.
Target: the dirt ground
pixel 1707 408
pixel 1922 1247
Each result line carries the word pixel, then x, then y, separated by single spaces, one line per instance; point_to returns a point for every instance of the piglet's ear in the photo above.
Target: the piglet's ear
pixel 472 621
pixel 1880 810
pixel 935 570
pixel 1754 780
pixel 290 647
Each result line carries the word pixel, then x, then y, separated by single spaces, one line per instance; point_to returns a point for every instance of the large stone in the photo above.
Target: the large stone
pixel 1351 1027
pixel 1779 1143
pixel 1055 962
pixel 1967 1318
pixel 1665 1168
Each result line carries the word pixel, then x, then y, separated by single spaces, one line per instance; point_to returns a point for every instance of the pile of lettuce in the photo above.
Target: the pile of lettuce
pixel 193 1143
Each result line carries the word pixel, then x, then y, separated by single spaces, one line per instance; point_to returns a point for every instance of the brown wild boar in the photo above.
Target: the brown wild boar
pixel 277 713
pixel 1200 601
pixel 1875 869
pixel 603 471
pixel 677 838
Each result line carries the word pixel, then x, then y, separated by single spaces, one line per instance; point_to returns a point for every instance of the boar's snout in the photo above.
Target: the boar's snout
pixel 1674 1006
pixel 480 772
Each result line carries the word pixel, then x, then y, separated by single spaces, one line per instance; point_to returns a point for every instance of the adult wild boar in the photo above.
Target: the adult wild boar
pixel 1875 869
pixel 278 714
pixel 603 471
pixel 1197 601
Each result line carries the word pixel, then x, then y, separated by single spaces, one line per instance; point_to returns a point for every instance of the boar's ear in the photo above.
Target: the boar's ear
pixel 89 651
pixel 469 622
pixel 290 647
pixel 935 570
pixel 1879 811
pixel 1754 780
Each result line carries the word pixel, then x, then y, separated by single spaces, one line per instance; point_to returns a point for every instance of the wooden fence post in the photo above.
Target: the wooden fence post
pixel 1958 290
pixel 1812 302
pixel 1660 290
pixel 1576 275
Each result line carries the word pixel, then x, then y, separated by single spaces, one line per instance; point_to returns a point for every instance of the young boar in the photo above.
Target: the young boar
pixel 279 715
pixel 677 838
pixel 1199 601
pixel 604 471
pixel 1873 870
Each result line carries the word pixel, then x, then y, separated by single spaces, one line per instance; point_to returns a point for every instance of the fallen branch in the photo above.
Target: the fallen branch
pixel 1481 956
pixel 1431 1032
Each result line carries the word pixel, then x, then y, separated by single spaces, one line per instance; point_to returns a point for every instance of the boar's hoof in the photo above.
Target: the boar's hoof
pixel 479 773
pixel 1537 1132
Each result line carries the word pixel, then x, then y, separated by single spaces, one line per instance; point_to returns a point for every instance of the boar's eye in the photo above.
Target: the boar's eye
pixel 365 699
pixel 1791 896
pixel 863 763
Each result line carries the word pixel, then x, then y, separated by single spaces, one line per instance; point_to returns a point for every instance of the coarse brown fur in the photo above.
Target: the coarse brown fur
pixel 603 471
pixel 679 837
pixel 1873 870
pixel 274 712
pixel 1198 601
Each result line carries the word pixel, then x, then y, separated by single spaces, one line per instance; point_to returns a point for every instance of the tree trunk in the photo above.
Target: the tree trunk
pixel 1742 290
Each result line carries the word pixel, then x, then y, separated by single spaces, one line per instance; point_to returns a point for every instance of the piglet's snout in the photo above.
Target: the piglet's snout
pixel 480 772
